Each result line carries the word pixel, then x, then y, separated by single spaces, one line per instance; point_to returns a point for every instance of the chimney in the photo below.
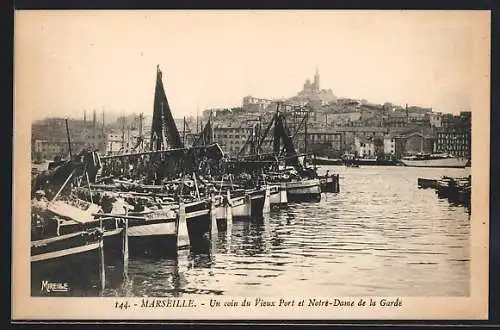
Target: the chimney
pixel 84 116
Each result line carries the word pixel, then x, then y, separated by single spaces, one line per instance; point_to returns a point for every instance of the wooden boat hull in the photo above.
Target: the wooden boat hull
pixel 223 212
pixel 443 162
pixel 303 191
pixel 153 239
pixel 241 207
pixel 113 233
pixel 278 195
pixel 199 221
pixel 326 161
pixel 68 265
pixel 427 183
pixel 330 184
pixel 253 205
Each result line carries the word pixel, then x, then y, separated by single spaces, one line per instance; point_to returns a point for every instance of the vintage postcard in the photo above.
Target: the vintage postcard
pixel 293 165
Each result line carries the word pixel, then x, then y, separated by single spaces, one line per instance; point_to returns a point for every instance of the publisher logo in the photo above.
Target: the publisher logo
pixel 48 287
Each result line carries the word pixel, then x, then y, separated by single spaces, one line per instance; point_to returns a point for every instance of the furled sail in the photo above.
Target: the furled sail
pixel 282 133
pixel 164 133
pixel 205 137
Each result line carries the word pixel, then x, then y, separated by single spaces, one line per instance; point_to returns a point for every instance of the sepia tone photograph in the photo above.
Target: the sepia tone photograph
pixel 329 162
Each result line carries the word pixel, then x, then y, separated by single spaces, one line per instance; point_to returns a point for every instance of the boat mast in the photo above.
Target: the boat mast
pixel 69 139
pixel 197 115
pixel 123 133
pixel 305 137
pixel 184 131
pixel 140 130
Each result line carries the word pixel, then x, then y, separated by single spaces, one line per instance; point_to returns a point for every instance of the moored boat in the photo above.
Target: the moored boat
pixel 303 190
pixel 330 183
pixel 154 232
pixel 251 204
pixel 68 264
pixel 277 195
pixel 427 183
pixel 435 160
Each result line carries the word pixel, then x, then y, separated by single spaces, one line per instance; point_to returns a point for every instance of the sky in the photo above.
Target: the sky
pixel 68 61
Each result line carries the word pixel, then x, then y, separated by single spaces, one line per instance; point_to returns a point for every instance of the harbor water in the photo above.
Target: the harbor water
pixel 380 235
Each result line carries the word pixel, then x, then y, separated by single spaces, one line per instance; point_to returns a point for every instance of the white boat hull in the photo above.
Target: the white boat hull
pixel 241 207
pixel 156 229
pixel 443 162
pixel 277 195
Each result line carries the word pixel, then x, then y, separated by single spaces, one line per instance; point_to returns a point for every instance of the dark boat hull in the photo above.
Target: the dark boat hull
pixel 427 183
pixel 67 265
pixel 303 191
pixel 330 184
pixel 198 219
pixel 154 235
pixel 113 234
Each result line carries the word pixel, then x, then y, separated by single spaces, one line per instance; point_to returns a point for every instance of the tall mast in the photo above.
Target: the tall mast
pixel 197 115
pixel 141 143
pixel 184 131
pixel 69 140
pixel 123 133
pixel 211 132
pixel 140 124
pixel 305 137
pixel 128 137
pixel 201 132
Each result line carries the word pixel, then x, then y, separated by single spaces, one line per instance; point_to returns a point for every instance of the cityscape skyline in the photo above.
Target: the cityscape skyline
pixel 68 62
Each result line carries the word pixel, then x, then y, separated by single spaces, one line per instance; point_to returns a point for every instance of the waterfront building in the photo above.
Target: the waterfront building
pixel 231 138
pixel 321 141
pixel 390 145
pixel 49 137
pixel 365 146
pixel 454 137
pixel 435 119
pixel 414 143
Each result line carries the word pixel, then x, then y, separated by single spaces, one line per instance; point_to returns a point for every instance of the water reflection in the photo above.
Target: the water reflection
pixel 380 236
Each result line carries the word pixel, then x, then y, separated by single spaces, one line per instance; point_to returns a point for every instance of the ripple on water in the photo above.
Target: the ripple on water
pixel 380 236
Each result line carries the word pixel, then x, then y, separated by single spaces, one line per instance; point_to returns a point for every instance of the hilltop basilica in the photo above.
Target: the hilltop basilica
pixel 311 92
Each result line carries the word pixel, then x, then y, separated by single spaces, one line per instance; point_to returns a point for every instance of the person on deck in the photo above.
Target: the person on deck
pixel 39 215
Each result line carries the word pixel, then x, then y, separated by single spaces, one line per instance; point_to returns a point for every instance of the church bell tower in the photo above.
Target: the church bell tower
pixel 316 80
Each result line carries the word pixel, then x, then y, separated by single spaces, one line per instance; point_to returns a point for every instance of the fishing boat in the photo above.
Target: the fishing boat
pixel 284 166
pixel 326 161
pixel 66 213
pixel 277 195
pixel 250 203
pixel 427 183
pixel 65 263
pixel 167 161
pixel 74 215
pixel 223 210
pixel 329 183
pixel 160 232
pixel 434 160
pixel 453 188
pixel 303 190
